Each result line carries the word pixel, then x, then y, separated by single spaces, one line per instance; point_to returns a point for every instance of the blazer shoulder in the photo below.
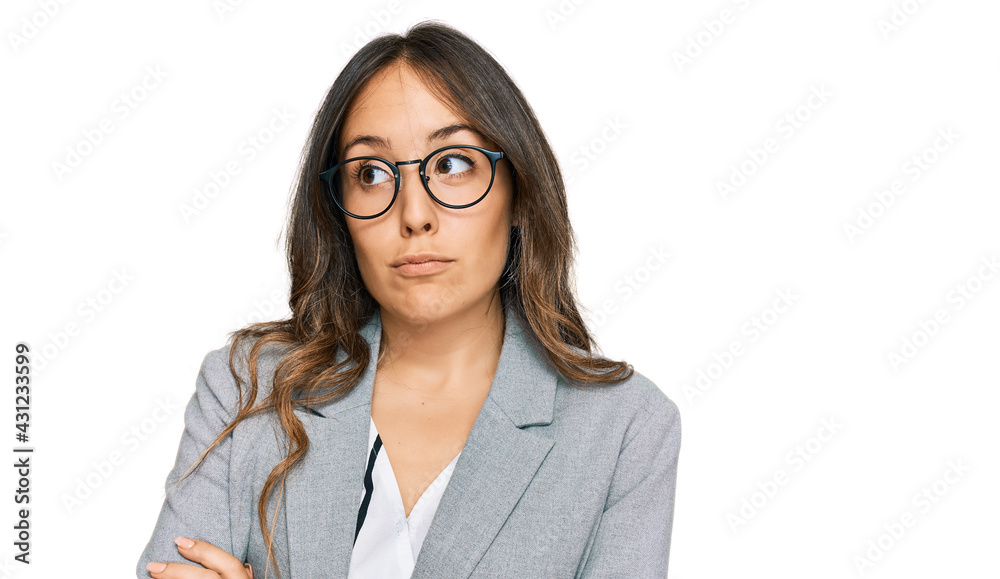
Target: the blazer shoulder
pixel 637 388
pixel 653 406
pixel 218 379
pixel 658 411
pixel 637 399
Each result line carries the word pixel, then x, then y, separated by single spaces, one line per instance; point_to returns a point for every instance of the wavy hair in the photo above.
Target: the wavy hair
pixel 328 301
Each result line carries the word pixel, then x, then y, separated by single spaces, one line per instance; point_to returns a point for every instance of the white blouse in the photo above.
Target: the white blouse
pixel 388 542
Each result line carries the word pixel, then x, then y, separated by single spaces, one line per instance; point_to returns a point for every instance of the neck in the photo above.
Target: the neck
pixel 444 354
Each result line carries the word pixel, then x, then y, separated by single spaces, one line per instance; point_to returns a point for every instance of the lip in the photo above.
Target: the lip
pixel 425 263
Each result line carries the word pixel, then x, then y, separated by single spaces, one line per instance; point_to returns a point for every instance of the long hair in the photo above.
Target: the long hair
pixel 328 301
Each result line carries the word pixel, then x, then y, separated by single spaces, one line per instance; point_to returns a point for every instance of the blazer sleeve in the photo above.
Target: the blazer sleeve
pixel 199 507
pixel 633 536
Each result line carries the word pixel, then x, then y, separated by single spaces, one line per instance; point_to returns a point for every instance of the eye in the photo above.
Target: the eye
pixel 369 174
pixel 453 164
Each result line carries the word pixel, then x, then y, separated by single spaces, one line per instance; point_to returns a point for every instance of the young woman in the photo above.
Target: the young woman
pixel 433 407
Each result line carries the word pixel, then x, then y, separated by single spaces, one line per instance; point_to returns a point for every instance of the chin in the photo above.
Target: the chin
pixel 424 305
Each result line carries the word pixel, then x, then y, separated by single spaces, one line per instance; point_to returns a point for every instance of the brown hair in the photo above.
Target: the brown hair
pixel 328 300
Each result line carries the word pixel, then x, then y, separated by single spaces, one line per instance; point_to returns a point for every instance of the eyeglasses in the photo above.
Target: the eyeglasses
pixel 455 176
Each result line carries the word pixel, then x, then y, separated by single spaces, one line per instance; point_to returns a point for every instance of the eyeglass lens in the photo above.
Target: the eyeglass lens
pixel 456 176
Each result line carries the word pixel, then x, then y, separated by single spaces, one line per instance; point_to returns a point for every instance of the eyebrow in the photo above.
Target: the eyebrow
pixel 383 143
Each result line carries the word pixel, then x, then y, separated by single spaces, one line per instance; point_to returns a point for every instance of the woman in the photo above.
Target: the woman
pixel 429 235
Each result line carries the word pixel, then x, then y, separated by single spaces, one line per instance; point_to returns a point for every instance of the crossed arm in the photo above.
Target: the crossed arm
pixel 633 537
pixel 200 505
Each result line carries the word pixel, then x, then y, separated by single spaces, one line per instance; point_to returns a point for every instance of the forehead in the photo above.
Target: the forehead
pixel 398 106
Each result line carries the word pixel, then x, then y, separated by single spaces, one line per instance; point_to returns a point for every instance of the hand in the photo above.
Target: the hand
pixel 218 563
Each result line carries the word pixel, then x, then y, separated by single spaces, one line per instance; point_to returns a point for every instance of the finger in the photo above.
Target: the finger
pixel 211 557
pixel 179 571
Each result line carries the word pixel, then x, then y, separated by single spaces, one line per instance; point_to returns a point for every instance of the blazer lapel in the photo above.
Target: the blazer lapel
pixel 324 495
pixel 497 463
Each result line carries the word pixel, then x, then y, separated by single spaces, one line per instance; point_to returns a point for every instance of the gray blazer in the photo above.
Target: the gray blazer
pixel 555 479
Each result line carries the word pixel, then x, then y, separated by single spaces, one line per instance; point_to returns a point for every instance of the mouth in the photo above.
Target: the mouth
pixel 421 257
pixel 418 268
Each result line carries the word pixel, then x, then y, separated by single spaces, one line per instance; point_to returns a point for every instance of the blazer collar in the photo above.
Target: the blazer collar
pixel 497 463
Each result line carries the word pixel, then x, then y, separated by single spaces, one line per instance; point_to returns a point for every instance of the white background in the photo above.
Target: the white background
pixel 652 185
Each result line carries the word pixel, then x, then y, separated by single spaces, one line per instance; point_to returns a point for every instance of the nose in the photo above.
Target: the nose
pixel 416 207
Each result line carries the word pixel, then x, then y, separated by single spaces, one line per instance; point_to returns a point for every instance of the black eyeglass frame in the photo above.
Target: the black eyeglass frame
pixel 493 156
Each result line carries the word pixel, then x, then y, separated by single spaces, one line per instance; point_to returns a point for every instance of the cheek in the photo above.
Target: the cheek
pixel 490 245
pixel 365 253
